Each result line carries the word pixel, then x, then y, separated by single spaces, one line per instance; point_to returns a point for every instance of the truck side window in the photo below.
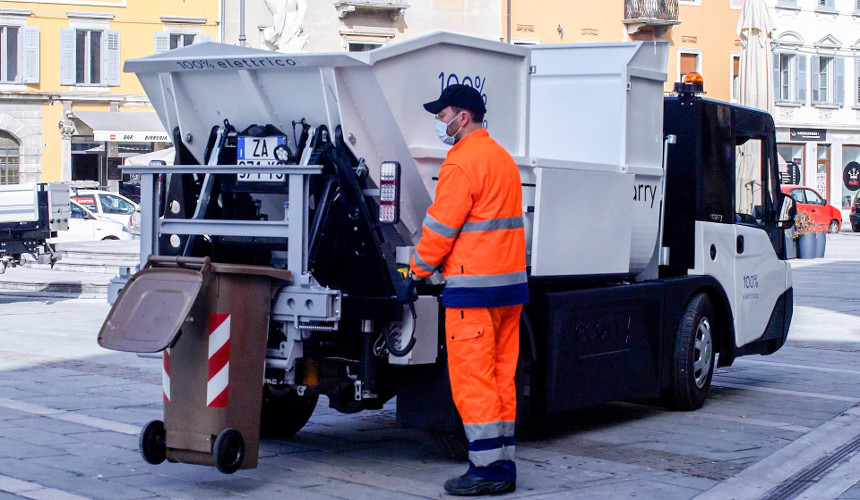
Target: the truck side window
pixel 749 195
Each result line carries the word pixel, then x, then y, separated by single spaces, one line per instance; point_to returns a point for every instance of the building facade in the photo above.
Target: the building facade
pixel 67 111
pixel 701 34
pixel 354 25
pixel 817 88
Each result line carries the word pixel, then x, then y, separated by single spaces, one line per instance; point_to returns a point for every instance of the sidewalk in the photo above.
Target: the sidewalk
pixel 83 271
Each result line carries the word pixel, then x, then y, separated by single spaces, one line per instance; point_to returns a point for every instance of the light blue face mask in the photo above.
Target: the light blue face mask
pixel 442 131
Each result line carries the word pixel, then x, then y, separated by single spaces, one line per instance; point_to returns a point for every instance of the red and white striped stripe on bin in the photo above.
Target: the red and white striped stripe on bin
pixel 219 360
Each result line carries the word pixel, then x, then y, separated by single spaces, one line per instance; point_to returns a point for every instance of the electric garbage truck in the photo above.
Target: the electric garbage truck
pixel 654 225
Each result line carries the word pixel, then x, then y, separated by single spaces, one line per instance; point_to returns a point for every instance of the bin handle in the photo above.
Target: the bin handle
pixel 202 263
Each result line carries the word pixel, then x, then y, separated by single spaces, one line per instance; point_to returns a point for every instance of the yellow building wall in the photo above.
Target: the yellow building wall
pixel 708 28
pixel 137 21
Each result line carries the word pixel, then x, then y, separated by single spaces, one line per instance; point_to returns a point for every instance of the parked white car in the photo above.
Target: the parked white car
pixel 84 225
pixel 110 205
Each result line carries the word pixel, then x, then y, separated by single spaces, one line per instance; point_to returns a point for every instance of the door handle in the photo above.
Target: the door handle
pixel 740 244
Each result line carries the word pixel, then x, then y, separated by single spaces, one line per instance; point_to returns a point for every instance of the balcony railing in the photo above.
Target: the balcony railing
pixel 654 12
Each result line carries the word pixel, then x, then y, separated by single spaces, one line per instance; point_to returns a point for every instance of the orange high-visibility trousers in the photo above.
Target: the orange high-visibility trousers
pixel 483 348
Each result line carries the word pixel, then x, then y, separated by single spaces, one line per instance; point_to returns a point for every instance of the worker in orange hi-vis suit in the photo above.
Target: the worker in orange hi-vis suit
pixel 474 230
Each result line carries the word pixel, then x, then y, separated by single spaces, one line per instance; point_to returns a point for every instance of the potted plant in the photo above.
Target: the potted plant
pixel 804 234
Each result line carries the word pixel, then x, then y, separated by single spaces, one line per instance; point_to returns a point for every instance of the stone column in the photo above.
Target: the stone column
pixel 67 130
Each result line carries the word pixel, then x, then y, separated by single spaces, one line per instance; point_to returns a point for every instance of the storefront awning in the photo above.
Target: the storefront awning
pixel 119 126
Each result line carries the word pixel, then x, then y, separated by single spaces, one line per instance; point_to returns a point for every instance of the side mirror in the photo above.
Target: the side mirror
pixel 787 211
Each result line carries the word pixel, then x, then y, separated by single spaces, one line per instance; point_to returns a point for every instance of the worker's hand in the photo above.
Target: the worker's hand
pixel 409 293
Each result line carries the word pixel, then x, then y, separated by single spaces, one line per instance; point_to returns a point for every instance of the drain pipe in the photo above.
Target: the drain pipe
pixel 242 23
pixel 509 21
pixel 223 17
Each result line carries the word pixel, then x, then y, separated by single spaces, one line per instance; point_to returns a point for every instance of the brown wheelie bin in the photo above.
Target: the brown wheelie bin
pixel 211 322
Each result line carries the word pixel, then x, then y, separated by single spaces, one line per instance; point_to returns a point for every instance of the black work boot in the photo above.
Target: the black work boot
pixel 470 485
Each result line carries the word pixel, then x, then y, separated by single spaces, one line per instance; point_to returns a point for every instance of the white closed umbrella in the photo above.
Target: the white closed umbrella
pixel 755 28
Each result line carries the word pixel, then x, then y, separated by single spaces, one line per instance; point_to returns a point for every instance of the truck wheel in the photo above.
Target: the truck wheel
pixel 284 414
pixel 153 442
pixel 833 228
pixel 453 445
pixel 693 359
pixel 228 451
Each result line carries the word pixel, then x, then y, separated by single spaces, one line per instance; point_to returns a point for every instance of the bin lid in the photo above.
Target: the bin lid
pixel 149 312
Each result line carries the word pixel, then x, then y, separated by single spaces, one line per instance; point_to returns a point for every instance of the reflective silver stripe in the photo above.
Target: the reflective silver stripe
pixel 507 428
pixel 475 432
pixel 438 227
pixel 493 224
pixel 510 452
pixel 486 280
pixel 423 265
pixel 486 457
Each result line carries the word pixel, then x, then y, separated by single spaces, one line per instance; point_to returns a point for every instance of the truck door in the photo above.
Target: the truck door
pixel 759 272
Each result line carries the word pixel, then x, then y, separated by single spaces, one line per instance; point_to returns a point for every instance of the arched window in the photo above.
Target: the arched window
pixel 9 159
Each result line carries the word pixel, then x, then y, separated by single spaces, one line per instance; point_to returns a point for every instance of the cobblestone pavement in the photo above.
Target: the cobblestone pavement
pixel 780 426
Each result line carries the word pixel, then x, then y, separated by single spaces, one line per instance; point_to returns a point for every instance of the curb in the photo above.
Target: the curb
pixel 68 289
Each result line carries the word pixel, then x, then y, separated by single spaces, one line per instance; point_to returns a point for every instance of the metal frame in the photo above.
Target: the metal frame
pixel 296 233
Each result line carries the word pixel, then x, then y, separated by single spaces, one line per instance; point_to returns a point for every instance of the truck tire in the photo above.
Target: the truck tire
pixel 452 445
pixel 153 442
pixel 693 358
pixel 228 451
pixel 284 414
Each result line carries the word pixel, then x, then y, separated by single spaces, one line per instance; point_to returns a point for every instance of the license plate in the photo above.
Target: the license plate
pixel 258 151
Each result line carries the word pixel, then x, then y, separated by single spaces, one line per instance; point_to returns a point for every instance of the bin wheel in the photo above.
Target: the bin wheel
pixel 229 451
pixel 153 442
pixel 693 360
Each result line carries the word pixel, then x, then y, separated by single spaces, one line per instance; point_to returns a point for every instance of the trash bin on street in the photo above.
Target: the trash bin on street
pixel 211 321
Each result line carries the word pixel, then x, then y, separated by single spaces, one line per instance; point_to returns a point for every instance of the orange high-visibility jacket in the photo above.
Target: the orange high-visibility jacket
pixel 474 228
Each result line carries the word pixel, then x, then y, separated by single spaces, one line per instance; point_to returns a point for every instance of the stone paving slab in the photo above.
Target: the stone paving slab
pixel 58 381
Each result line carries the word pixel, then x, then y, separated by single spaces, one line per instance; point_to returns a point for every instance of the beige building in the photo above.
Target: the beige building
pixel 67 111
pixel 354 25
pixel 701 33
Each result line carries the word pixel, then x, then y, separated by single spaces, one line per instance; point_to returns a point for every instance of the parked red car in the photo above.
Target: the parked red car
pixel 808 200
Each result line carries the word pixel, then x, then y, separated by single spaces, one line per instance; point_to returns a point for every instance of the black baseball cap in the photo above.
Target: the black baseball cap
pixel 459 96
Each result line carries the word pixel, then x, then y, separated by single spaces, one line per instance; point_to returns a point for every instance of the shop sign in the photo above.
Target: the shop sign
pixel 791 174
pixel 851 176
pixel 129 136
pixel 807 134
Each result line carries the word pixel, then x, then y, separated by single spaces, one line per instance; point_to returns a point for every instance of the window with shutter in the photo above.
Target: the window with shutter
pixel 688 62
pixel 89 57
pixel 10 151
pixel 112 62
pixel 825 90
pixel 857 80
pixel 816 80
pixel 736 63
pixel 10 43
pixel 800 79
pixel 838 81
pixel 67 56
pixel 31 54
